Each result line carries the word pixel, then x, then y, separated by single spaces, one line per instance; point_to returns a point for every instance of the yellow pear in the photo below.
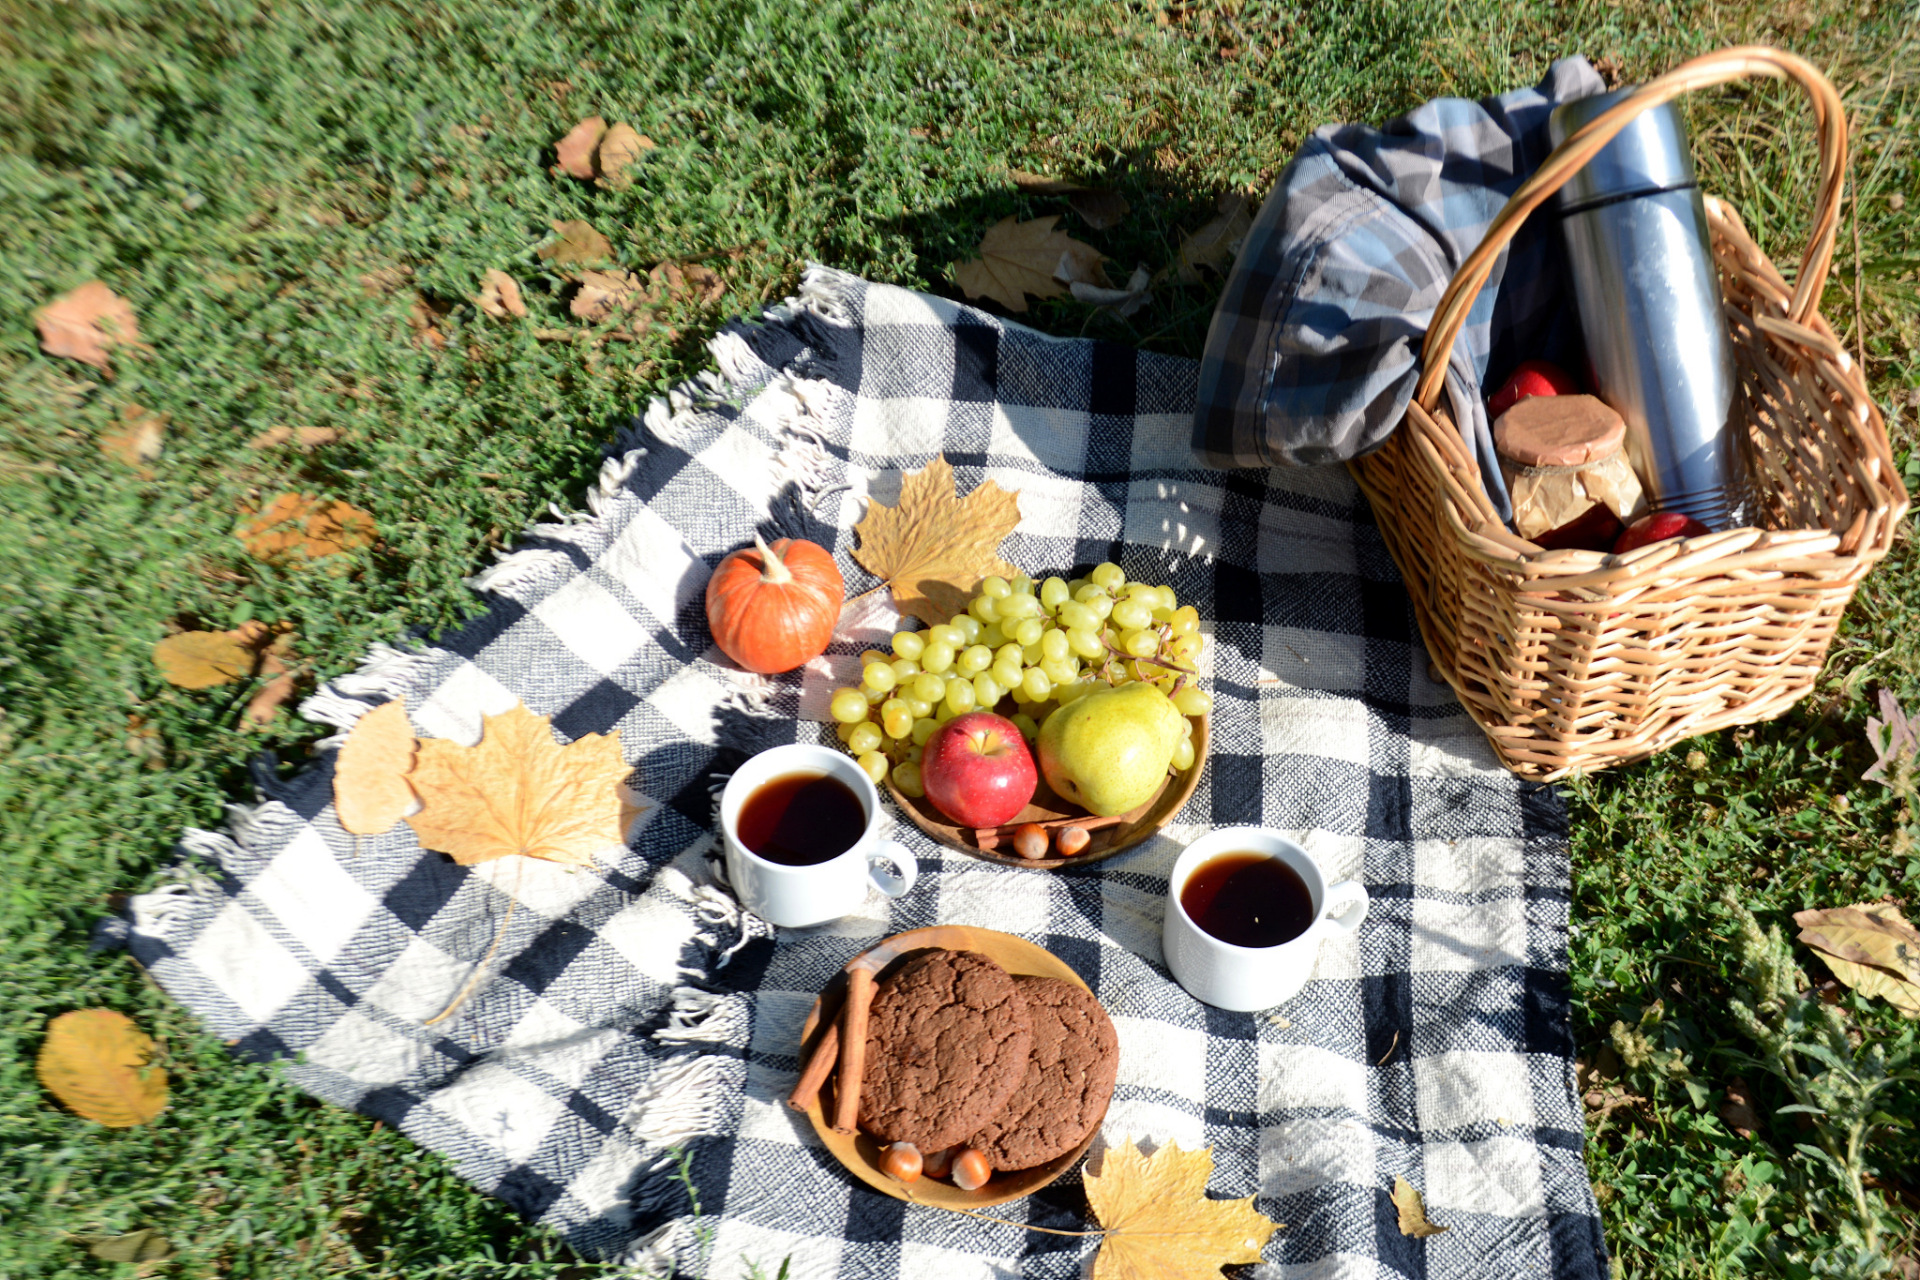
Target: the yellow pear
pixel 1109 751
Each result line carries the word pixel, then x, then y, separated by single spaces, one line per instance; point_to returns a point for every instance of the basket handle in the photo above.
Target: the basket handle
pixel 1569 157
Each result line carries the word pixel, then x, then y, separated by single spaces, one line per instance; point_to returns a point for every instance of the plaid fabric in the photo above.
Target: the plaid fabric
pixel 1315 346
pixel 632 1006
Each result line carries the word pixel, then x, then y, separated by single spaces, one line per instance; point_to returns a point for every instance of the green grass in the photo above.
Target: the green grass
pixel 237 170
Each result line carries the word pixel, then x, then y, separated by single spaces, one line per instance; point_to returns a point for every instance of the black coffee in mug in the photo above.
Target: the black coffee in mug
pixel 801 819
pixel 1248 899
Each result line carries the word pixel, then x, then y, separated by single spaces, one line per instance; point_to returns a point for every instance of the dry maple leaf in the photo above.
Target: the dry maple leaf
pixel 300 526
pixel 81 325
pixel 203 659
pixel 576 245
pixel 688 282
pixel 1020 258
pixel 499 295
pixel 267 700
pixel 139 438
pixel 1892 739
pixel 935 547
pixel 370 791
pixel 519 791
pixel 575 151
pixel 620 150
pixel 605 294
pixel 1413 1211
pixel 97 1062
pixel 1160 1224
pixel 1871 947
pixel 305 439
pixel 424 319
pixel 1215 244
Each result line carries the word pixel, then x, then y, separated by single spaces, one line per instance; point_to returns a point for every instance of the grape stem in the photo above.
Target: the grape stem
pixel 1158 662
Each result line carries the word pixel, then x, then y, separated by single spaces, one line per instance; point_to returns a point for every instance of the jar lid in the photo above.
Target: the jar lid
pixel 1558 431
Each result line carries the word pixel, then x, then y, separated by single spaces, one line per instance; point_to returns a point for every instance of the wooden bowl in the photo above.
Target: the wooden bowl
pixel 858 1153
pixel 1134 826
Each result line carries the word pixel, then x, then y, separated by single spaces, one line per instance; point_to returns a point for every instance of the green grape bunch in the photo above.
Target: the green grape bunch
pixel 1044 646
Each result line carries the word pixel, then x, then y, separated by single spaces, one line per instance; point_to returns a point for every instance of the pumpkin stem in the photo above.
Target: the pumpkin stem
pixel 772 569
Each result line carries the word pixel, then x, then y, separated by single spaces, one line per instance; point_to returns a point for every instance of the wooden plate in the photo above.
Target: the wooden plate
pixel 859 1153
pixel 1134 826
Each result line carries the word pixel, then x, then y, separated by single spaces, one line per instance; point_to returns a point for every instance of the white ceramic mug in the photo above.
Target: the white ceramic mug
pixel 1245 978
pixel 794 897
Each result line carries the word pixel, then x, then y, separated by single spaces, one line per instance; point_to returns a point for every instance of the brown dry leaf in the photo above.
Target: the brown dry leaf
pixel 935 547
pixel 1100 209
pixel 519 791
pixel 144 1245
pixel 424 319
pixel 688 282
pixel 575 151
pixel 1137 293
pixel 267 700
pixel 499 295
pixel 386 280
pixel 82 324
pixel 305 439
pixel 370 791
pixel 144 743
pixel 620 150
pixel 1413 1211
pixel 1876 983
pixel 96 1062
pixel 605 294
pixel 1159 1223
pixel 578 245
pixel 1869 933
pixel 300 526
pixel 1737 1111
pixel 203 659
pixel 139 438
pixel 1215 244
pixel 1020 258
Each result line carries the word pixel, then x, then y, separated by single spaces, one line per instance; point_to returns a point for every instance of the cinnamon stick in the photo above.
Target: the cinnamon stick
pixel 826 1051
pixel 853 1050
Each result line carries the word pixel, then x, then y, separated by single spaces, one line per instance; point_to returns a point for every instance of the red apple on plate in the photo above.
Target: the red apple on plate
pixel 977 770
pixel 1532 378
pixel 1658 527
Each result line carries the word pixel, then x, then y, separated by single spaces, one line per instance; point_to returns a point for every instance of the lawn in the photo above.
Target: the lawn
pixel 299 200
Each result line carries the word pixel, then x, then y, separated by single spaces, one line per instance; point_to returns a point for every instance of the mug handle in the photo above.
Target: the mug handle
pixel 1346 907
pixel 897 878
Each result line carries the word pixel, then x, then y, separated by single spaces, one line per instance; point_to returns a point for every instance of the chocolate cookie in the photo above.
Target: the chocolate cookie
pixel 947 1044
pixel 1068 1083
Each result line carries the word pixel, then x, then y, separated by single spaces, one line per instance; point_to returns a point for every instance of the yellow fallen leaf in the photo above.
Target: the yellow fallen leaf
pixel 300 526
pixel 1413 1211
pixel 519 791
pixel 1868 933
pixel 1020 258
pixel 83 323
pixel 267 700
pixel 139 438
pixel 370 791
pixel 621 149
pixel 144 1245
pixel 576 245
pixel 1159 1223
pixel 499 295
pixel 97 1063
pixel 575 151
pixel 203 659
pixel 934 547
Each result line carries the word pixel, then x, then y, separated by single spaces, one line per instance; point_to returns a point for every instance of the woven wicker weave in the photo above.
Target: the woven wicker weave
pixel 1575 660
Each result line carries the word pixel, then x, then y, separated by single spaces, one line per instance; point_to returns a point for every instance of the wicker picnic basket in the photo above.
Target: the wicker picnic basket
pixel 1575 660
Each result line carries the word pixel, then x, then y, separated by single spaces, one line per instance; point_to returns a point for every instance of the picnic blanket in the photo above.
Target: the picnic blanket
pixel 630 1021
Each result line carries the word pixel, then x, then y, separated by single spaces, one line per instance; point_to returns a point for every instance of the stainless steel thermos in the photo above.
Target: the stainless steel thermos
pixel 1650 309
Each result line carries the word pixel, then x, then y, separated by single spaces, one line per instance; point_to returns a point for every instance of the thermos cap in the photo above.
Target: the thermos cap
pixel 1650 154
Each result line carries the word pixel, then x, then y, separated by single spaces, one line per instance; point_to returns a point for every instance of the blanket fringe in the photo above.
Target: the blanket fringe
pixel 184 885
pixel 681 1100
pixel 386 673
pixel 653 1256
pixel 705 1016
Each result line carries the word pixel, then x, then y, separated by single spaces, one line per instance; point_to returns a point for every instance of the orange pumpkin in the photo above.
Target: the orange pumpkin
pixel 772 608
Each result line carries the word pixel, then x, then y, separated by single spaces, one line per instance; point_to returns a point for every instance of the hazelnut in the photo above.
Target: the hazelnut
pixel 971 1170
pixel 1030 840
pixel 938 1164
pixel 1071 840
pixel 901 1162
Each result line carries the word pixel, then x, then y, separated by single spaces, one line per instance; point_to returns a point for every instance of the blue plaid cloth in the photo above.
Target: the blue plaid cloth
pixel 1314 349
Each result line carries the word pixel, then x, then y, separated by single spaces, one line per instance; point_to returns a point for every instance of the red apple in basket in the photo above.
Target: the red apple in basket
pixel 1532 378
pixel 1658 527
pixel 977 770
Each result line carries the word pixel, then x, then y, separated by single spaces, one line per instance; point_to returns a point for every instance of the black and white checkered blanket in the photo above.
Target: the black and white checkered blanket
pixel 631 1008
